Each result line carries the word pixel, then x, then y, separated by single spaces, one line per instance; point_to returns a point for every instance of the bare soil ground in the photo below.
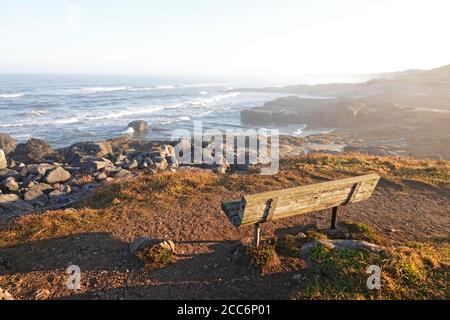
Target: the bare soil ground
pixel 185 207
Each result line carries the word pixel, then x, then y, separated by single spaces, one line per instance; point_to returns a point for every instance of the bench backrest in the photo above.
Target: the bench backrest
pixel 273 205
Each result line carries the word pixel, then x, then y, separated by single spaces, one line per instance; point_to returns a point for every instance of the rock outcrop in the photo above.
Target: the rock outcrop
pixel 77 153
pixel 139 126
pixel 12 205
pixel 56 175
pixel 33 151
pixel 3 161
pixel 7 143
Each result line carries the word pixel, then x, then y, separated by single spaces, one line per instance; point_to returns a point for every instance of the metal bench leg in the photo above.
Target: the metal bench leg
pixel 256 232
pixel 333 218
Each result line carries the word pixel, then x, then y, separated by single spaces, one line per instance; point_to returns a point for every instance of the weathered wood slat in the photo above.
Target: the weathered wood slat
pixel 252 209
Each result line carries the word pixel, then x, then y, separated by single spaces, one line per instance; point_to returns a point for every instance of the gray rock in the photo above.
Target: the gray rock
pixel 10 185
pixel 5 173
pixel 356 244
pixel 221 169
pixel 64 188
pixel 39 169
pixel 139 126
pixel 35 197
pixel 44 187
pixel 56 194
pixel 12 164
pixel 57 175
pixel 148 160
pixel 5 295
pixel 11 205
pixel 305 250
pixel 34 150
pixel 3 161
pixel 172 162
pixel 101 164
pixel 102 176
pixel 75 153
pixel 160 163
pixel 7 143
pixel 131 165
pixel 143 165
pixel 122 173
pixel 142 242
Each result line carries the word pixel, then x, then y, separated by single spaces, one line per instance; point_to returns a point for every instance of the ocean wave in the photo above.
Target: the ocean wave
pixel 11 125
pixel 203 93
pixel 102 89
pixel 64 121
pixel 11 95
pixel 165 87
pixel 115 114
pixel 141 89
pixel 182 118
pixel 205 113
pixel 37 112
pixel 205 102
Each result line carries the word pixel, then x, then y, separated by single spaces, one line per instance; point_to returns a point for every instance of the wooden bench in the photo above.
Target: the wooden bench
pixel 259 208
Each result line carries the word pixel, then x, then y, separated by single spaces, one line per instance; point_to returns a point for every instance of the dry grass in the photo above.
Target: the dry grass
pixel 155 257
pixel 84 179
pixel 416 271
pixel 115 203
pixel 396 169
pixel 405 274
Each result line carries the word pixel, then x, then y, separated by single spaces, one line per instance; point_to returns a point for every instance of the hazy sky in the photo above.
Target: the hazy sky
pixel 227 37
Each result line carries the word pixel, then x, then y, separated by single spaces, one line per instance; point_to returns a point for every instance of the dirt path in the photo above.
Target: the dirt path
pixel 205 245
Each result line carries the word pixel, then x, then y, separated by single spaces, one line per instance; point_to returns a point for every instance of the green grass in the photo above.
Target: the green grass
pixel 406 274
pixel 155 257
pixel 262 257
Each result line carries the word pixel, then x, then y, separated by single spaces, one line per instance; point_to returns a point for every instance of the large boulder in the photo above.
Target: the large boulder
pixel 35 196
pixel 39 169
pixel 11 205
pixel 6 173
pixel 5 295
pixel 56 175
pixel 34 150
pixel 77 153
pixel 3 161
pixel 305 251
pixel 139 126
pixel 7 143
pixel 9 185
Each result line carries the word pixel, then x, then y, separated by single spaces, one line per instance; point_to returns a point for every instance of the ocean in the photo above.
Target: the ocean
pixel 64 109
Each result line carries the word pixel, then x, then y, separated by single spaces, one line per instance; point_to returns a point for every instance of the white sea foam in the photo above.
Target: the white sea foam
pixel 102 89
pixel 205 113
pixel 64 121
pixel 142 89
pixel 11 95
pixel 183 118
pixel 165 87
pixel 11 125
pixel 116 114
pixel 37 112
pixel 129 131
pixel 298 132
pixel 203 93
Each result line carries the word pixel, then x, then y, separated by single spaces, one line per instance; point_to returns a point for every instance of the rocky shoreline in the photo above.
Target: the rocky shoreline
pixel 34 177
